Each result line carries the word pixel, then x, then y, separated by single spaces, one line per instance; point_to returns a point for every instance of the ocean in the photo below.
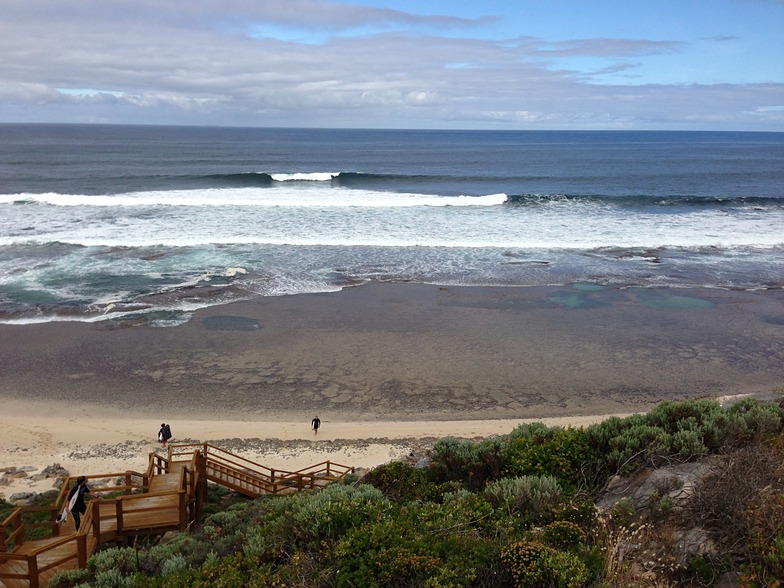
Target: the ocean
pixel 150 223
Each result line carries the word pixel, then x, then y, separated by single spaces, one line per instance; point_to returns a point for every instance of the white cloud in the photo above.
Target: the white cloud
pixel 198 62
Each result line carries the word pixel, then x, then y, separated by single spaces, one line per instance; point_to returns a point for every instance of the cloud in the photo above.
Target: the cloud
pixel 610 47
pixel 200 62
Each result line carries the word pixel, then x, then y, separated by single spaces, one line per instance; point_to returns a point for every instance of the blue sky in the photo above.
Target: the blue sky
pixel 557 64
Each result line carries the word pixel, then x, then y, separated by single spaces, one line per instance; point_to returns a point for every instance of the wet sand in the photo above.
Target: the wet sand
pixel 408 352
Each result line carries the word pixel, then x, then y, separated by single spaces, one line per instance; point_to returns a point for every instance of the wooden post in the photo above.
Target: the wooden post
pixel 32 570
pixel 97 522
pixel 81 550
pixel 183 521
pixel 118 510
pixel 128 482
pixel 53 526
pixel 18 532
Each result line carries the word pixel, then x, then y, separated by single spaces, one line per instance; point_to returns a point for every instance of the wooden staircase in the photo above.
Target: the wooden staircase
pixel 167 497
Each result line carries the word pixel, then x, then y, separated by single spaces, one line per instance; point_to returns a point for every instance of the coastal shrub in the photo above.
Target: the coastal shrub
pixel 672 430
pixel 536 450
pixel 331 512
pixel 6 508
pixel 767 569
pixel 192 548
pixel 563 535
pixel 228 521
pixel 706 570
pixel 468 462
pixel 403 482
pixel 679 430
pixel 424 544
pixel 224 572
pixel 749 419
pixel 350 479
pixel 113 579
pixel 577 509
pixel 671 415
pixel 120 560
pixel 70 578
pixel 174 565
pixel 533 564
pixel 532 498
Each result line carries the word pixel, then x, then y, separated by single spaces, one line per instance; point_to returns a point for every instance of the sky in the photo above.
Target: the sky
pixel 436 64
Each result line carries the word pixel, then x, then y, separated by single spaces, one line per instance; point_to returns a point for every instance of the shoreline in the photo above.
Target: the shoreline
pixel 382 364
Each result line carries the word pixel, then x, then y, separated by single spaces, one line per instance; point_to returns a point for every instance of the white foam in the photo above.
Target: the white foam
pixel 283 196
pixel 305 177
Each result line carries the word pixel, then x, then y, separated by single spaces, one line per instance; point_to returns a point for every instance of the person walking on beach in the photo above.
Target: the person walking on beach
pixel 315 424
pixel 164 434
pixel 76 505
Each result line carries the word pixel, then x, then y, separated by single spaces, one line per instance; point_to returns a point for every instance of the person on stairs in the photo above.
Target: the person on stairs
pixel 76 504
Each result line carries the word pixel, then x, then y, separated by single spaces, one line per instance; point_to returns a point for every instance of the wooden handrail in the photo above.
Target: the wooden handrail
pixel 228 468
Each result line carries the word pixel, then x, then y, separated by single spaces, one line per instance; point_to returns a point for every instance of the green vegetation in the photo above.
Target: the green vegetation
pixel 516 510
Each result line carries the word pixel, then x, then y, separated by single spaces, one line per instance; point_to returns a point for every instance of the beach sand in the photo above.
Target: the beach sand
pixel 387 367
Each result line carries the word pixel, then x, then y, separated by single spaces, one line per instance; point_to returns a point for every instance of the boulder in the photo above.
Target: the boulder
pixel 22 498
pixel 691 543
pixel 55 471
pixel 677 481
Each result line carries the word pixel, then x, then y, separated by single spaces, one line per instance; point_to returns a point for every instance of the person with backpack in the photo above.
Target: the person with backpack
pixel 164 434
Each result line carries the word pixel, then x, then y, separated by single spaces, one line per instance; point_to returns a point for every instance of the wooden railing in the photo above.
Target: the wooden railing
pixel 49 556
pixel 252 478
pixel 133 497
pixel 54 554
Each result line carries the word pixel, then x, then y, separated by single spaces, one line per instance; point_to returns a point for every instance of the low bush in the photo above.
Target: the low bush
pixel 533 498
pixel 467 462
pixel 533 564
pixel 536 450
pixel 403 482
pixel 563 535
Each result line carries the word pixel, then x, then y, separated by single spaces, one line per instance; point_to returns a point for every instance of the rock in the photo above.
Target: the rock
pixel 55 471
pixel 22 498
pixel 15 475
pixel 691 543
pixel 677 481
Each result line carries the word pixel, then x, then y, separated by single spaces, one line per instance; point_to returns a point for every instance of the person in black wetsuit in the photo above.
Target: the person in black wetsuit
pixel 78 508
pixel 315 424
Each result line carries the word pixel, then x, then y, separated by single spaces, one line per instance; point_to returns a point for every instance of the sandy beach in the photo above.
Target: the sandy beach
pixel 387 367
pixel 114 445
